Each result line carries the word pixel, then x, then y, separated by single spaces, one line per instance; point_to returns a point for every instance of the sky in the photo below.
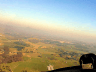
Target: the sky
pixel 73 16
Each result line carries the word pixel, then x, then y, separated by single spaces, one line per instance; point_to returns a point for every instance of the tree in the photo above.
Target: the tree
pixel 6 50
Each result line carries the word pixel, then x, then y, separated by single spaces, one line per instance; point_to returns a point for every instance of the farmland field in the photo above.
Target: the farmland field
pixel 37 56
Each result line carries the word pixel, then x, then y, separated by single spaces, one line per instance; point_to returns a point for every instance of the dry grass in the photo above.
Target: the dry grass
pixel 32 44
pixel 13 49
pixel 1 44
pixel 43 44
pixel 23 54
pixel 43 47
pixel 35 55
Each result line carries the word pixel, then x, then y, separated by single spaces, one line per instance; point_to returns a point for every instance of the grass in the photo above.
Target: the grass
pixel 39 64
pixel 33 63
pixel 44 51
pixel 25 58
pixel 43 44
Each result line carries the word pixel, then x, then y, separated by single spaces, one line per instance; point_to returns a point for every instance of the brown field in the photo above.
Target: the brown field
pixel 43 47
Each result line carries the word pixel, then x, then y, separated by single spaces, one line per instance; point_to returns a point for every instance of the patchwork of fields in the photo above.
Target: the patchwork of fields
pixel 37 55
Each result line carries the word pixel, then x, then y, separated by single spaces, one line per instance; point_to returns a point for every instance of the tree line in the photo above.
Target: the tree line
pixel 5 58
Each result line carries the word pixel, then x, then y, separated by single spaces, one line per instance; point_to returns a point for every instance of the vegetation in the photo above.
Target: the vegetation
pixel 21 43
pixel 33 40
pixel 5 58
pixel 19 47
pixel 34 55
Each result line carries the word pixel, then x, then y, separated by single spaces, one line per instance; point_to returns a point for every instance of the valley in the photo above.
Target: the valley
pixel 37 54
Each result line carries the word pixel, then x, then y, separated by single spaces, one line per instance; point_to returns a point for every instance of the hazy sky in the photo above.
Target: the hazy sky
pixel 77 16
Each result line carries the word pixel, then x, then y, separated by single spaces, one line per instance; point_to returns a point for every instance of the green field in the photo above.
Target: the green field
pixel 39 64
pixel 41 57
